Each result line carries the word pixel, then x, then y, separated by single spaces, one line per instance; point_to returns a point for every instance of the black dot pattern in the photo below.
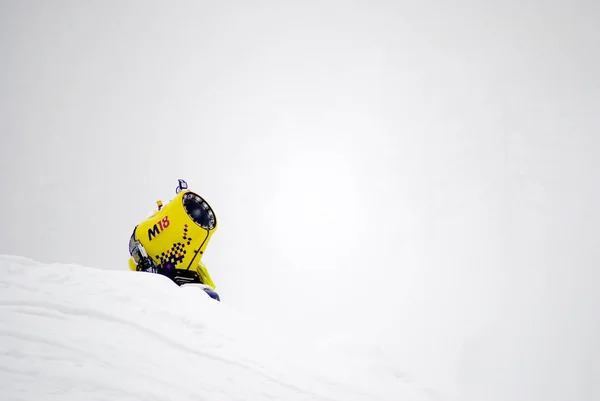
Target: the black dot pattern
pixel 177 252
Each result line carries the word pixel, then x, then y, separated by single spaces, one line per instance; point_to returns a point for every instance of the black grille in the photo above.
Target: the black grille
pixel 199 211
pixel 185 277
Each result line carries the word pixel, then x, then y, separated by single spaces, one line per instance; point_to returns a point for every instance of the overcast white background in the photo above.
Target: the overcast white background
pixel 421 176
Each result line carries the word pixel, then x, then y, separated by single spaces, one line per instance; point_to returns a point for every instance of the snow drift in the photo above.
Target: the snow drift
pixel 69 332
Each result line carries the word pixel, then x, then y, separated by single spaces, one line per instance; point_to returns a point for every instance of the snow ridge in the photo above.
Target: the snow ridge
pixel 71 332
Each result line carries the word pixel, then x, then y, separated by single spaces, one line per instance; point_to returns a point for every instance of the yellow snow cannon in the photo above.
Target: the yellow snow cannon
pixel 173 240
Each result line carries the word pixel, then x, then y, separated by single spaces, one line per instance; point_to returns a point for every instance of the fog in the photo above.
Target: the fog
pixel 417 177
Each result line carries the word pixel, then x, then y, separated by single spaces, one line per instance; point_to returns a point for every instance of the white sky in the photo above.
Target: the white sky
pixel 422 175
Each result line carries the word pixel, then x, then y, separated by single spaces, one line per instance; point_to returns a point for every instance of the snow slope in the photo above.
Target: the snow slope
pixel 69 332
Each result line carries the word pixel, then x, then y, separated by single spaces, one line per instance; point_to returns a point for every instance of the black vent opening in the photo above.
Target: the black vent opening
pixel 199 211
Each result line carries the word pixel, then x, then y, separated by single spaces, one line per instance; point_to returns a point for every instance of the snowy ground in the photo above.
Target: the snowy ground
pixel 69 332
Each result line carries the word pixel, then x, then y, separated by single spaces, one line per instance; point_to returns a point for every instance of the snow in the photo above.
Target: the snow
pixel 72 332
